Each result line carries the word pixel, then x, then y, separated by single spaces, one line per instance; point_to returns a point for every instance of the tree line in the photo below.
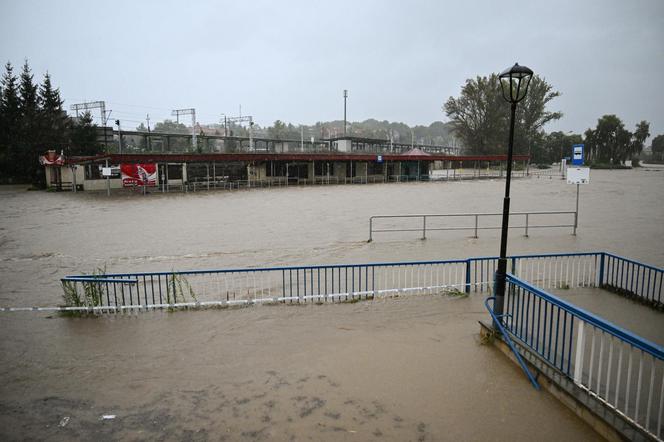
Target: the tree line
pixel 32 121
pixel 480 119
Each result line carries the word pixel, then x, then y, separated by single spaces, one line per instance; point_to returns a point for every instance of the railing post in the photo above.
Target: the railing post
pixel 424 227
pixel 476 222
pixel 601 269
pixel 370 228
pixel 578 360
pixel 527 225
pixel 468 276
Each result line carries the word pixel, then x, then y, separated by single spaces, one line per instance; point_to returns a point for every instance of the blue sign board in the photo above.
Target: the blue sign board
pixel 379 159
pixel 577 155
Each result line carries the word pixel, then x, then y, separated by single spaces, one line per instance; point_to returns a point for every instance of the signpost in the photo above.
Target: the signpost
pixel 578 176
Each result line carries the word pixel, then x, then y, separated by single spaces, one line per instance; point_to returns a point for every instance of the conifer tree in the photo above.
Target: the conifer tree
pixel 83 137
pixel 27 154
pixel 53 121
pixel 9 122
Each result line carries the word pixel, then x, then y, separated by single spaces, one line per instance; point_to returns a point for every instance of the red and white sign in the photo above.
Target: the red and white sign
pixel 52 159
pixel 139 174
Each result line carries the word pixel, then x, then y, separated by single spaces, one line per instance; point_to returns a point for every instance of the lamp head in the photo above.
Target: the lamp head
pixel 514 82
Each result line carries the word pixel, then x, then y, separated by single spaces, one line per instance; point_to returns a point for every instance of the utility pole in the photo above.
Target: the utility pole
pixel 345 98
pixel 225 125
pixel 249 119
pixel 251 134
pixel 191 111
pixel 147 118
pixel 301 138
pixel 119 135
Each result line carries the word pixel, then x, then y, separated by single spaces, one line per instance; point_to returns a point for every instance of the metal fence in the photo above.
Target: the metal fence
pixel 633 279
pixel 326 283
pixel 622 370
pixel 331 283
pixel 472 220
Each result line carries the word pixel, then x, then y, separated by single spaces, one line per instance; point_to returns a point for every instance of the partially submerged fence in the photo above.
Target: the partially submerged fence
pixel 472 222
pixel 325 283
pixel 624 371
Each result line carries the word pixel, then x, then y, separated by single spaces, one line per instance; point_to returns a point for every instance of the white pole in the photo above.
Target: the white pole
pixel 251 134
pixel 108 181
pixel 576 213
pixel 193 128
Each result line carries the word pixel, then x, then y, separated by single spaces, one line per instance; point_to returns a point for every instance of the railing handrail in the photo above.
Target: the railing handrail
pixel 326 266
pixel 651 267
pixel 476 227
pixel 272 269
pixel 614 330
pixel 545 212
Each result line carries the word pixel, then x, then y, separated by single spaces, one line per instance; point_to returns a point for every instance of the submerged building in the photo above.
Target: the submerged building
pixel 341 160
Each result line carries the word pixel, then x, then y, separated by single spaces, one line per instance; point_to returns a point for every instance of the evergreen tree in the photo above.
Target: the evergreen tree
pixel 83 137
pixel 9 122
pixel 25 158
pixel 53 121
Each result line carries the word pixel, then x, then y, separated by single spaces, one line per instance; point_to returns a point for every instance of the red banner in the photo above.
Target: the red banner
pixel 139 174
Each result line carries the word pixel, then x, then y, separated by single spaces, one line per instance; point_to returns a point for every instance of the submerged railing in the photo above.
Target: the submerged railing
pixel 633 279
pixel 624 371
pixel 324 283
pixel 472 222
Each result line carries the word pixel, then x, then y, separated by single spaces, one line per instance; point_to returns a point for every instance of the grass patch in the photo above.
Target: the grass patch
pixel 455 293
pixel 90 294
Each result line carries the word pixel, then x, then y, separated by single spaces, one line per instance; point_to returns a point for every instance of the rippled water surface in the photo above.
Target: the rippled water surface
pixel 394 369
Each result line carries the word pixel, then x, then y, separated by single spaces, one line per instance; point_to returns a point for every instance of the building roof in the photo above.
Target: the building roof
pixel 415 152
pixel 268 156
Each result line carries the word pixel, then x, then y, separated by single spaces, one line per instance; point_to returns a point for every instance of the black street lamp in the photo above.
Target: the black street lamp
pixel 514 82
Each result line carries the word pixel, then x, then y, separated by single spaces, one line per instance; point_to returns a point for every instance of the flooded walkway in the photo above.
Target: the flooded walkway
pixel 395 369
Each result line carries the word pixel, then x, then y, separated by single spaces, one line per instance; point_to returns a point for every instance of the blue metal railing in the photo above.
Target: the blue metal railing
pixel 325 283
pixel 620 368
pixel 633 279
pixel 497 320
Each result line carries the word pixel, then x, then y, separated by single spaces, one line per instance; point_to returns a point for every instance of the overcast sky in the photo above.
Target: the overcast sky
pixel 291 60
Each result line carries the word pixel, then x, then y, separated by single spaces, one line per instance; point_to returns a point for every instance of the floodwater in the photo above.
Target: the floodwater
pixel 392 369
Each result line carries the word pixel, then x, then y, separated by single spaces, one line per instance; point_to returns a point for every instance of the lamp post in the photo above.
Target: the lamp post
pixel 514 83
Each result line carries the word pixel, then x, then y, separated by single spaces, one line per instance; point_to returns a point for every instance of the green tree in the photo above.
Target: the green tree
pixel 10 116
pixel 83 137
pixel 639 138
pixel 557 145
pixel 170 127
pixel 53 121
pixel 657 147
pixel 26 155
pixel 610 142
pixel 480 116
pixel 278 130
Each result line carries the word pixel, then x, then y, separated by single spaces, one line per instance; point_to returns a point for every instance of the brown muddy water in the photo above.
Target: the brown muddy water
pixel 392 369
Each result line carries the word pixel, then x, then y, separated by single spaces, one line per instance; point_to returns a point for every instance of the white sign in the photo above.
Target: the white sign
pixel 106 171
pixel 578 175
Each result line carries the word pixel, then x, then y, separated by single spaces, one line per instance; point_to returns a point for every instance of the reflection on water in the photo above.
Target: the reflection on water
pixel 396 369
